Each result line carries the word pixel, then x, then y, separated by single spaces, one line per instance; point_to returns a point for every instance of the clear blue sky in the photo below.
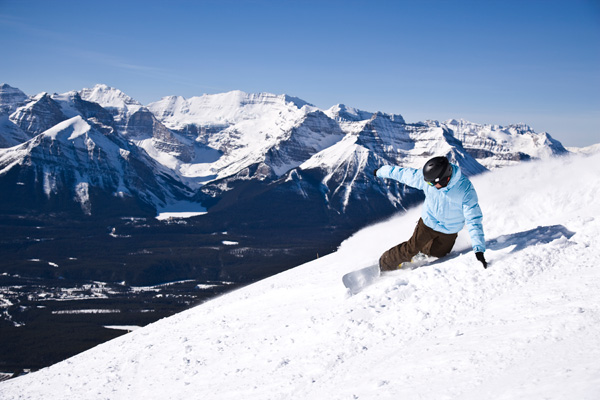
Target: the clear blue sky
pixel 487 61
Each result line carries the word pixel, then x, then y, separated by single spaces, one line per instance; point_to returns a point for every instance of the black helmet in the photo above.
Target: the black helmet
pixel 437 170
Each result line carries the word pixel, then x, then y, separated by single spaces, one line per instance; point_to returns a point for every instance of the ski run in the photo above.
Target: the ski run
pixel 528 327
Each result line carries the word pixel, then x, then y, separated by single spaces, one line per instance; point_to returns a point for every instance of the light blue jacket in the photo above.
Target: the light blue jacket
pixel 446 209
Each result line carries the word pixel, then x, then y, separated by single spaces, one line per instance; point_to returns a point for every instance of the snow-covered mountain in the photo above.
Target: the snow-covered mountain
pixel 269 152
pixel 84 163
pixel 595 148
pixel 495 146
pixel 525 328
pixel 114 101
pixel 10 99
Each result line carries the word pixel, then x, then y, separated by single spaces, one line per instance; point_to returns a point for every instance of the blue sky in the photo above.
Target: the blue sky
pixel 487 61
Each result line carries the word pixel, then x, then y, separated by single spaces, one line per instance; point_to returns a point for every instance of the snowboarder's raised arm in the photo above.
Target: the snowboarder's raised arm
pixel 409 176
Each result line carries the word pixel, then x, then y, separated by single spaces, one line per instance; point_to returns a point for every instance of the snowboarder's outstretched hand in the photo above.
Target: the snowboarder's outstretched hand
pixel 375 172
pixel 481 258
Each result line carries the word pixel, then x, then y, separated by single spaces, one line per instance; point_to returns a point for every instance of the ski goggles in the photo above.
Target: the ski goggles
pixel 443 182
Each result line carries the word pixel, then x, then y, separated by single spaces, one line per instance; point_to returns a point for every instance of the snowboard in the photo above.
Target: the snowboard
pixel 357 280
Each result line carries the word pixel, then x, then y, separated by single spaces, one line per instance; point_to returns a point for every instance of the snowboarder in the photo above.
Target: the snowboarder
pixel 450 200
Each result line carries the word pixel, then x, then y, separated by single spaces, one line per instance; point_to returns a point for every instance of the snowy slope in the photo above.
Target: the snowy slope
pixel 526 328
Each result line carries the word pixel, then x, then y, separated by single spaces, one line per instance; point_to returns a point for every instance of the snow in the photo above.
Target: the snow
pixel 74 127
pixel 128 328
pixel 88 311
pixel 525 328
pixel 222 108
pixel 247 125
pixel 109 97
pixel 179 215
pixel 498 138
pixel 180 209
pixel 49 183
pixel 595 148
pixel 82 196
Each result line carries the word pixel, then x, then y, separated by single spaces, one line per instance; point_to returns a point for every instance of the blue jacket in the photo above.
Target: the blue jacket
pixel 446 209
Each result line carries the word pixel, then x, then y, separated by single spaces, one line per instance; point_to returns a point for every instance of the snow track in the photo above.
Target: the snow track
pixel 526 328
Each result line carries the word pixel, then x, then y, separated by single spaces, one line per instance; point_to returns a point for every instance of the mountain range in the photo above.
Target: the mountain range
pixel 244 156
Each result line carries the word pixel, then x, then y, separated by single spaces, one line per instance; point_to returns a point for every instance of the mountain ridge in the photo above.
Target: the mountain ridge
pixel 210 144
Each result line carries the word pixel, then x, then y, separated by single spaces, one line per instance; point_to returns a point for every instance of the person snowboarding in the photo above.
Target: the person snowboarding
pixel 450 201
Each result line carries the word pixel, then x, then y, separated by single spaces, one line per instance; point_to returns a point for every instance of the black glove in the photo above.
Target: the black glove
pixel 375 172
pixel 481 258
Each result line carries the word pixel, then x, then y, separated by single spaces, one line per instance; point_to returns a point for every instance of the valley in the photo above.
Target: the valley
pixel 68 285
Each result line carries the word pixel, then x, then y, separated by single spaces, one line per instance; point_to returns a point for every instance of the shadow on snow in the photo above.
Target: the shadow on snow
pixel 521 240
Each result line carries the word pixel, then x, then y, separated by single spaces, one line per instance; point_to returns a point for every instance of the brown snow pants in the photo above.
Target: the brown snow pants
pixel 424 240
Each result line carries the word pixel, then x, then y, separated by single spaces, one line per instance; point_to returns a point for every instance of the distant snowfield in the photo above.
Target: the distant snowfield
pixel 180 209
pixel 528 327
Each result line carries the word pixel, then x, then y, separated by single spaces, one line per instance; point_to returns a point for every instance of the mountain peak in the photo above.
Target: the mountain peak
pixel 108 96
pixel 224 109
pixel 298 102
pixel 6 88
pixel 41 96
pixel 70 129
pixel 341 112
pixel 243 98
pixel 10 98
pixel 520 128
